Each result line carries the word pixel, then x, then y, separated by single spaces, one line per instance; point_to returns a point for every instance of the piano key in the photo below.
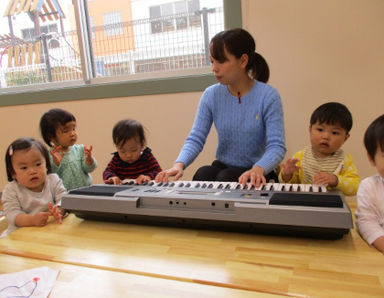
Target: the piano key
pixel 307 187
pixel 280 186
pixel 315 188
pixel 248 186
pixel 323 188
pixel 197 185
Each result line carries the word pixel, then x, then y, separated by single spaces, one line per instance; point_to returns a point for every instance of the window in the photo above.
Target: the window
pixel 113 23
pixel 175 16
pixel 121 43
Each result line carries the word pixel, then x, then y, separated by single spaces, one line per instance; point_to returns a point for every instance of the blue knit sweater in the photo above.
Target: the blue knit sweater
pixel 250 133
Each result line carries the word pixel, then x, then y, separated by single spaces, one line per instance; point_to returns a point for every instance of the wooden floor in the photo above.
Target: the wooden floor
pixel 102 259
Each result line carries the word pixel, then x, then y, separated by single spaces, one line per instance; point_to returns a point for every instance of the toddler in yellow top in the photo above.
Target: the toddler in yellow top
pixel 324 162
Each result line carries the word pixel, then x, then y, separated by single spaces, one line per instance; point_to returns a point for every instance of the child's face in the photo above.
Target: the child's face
pixel 29 168
pixel 378 162
pixel 326 139
pixel 130 151
pixel 66 135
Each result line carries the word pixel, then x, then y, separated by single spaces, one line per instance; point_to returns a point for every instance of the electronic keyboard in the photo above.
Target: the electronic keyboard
pixel 274 208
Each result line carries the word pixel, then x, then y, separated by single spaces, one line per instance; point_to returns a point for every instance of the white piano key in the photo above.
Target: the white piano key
pixel 288 187
pixel 179 183
pixel 315 188
pixel 307 187
pixel 269 186
pixel 279 186
pixel 214 184
pixel 301 187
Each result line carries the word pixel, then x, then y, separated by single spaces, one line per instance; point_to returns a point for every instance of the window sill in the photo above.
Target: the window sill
pixel 98 89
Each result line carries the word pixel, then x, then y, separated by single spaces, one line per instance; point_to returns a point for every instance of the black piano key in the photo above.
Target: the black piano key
pixel 151 183
pixel 238 186
pixel 299 188
pixel 197 185
pixel 172 184
pixel 210 185
pixel 144 183
pixel 220 186
pixel 181 184
pixel 188 184
pixel 166 184
pixel 228 186
pixel 160 184
pixel 283 188
pixel 204 185
pixel 320 189
pixel 311 188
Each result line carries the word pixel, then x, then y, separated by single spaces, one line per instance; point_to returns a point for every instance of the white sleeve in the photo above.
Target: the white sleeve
pixel 11 204
pixel 368 219
pixel 57 188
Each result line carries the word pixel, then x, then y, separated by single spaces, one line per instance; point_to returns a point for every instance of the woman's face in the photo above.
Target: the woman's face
pixel 229 71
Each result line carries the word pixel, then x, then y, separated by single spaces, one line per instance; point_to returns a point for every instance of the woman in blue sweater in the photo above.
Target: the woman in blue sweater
pixel 247 114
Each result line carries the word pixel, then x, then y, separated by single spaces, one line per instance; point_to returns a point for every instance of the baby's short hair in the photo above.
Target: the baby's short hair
pixel 24 144
pixel 374 137
pixel 51 120
pixel 127 129
pixel 333 113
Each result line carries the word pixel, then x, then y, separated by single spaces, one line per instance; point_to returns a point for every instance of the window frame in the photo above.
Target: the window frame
pixel 188 81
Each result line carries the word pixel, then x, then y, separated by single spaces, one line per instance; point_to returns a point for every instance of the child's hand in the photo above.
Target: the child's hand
pixel 88 155
pixel 323 178
pixel 113 180
pixel 288 168
pixel 142 178
pixel 57 154
pixel 56 212
pixel 40 219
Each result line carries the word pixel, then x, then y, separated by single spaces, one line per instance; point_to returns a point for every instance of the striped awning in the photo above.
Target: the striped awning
pixel 46 9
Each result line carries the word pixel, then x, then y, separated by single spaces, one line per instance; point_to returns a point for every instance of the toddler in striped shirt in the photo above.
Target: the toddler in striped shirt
pixel 324 162
pixel 132 160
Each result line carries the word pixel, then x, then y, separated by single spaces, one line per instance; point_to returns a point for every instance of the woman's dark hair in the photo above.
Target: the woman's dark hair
pixel 238 42
pixel 374 137
pixel 333 113
pixel 51 120
pixel 24 144
pixel 127 129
